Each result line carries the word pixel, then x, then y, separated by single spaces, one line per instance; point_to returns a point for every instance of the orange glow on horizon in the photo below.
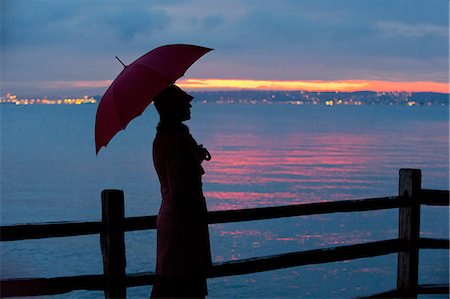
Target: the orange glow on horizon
pixel 316 85
pixel 313 85
pixel 77 84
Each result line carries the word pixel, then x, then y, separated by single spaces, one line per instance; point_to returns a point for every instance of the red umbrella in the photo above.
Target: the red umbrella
pixel 138 84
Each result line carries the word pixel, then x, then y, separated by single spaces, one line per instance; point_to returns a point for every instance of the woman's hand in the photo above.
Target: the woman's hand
pixel 204 154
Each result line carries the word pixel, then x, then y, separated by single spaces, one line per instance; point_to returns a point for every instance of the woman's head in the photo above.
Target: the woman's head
pixel 173 104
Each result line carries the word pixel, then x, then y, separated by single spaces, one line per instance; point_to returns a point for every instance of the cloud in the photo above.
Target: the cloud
pixel 213 22
pixel 44 23
pixel 413 30
pixel 273 40
pixel 76 84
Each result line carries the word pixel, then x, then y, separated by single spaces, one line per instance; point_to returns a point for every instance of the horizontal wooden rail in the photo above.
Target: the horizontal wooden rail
pixel 48 230
pixel 49 286
pixel 310 257
pixel 140 223
pixel 435 197
pixel 344 206
pixel 20 287
pixel 431 289
pixel 428 243
pixel 59 285
pixel 286 260
pixel 69 229
pixel 408 192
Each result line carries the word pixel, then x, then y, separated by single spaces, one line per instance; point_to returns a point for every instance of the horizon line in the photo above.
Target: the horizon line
pixel 214 84
pixel 315 85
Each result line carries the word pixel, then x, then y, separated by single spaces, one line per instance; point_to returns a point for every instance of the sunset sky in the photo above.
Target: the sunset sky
pixel 69 47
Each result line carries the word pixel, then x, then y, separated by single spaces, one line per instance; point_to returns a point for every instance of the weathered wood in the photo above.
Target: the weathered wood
pixel 60 285
pixel 112 236
pixel 409 229
pixel 69 229
pixel 48 230
pixel 431 289
pixel 285 260
pixel 113 243
pixel 357 205
pixel 140 223
pixel 435 197
pixel 311 257
pixel 429 243
pixel 50 286
pixel 140 279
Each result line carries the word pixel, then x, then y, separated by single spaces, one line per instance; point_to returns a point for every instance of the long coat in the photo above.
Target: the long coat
pixel 183 248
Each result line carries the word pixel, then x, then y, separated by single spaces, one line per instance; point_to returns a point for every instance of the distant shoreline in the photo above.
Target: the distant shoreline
pixel 290 97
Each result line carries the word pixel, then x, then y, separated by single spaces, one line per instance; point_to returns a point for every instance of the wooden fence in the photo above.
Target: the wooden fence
pixel 113 226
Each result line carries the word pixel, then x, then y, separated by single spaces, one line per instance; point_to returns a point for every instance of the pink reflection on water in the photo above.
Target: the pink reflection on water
pixel 249 195
pixel 251 170
pixel 293 167
pixel 240 233
pixel 257 241
pixel 230 200
pixel 252 160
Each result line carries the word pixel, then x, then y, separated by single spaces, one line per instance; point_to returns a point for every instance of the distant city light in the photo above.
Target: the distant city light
pixel 268 97
pixel 12 99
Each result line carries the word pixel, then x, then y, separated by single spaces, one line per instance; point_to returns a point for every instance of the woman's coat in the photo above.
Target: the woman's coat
pixel 182 229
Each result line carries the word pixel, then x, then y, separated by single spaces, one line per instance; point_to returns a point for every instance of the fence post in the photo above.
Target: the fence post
pixel 113 243
pixel 409 228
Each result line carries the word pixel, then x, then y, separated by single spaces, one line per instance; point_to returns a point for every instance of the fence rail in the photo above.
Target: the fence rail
pixel 114 280
pixel 72 229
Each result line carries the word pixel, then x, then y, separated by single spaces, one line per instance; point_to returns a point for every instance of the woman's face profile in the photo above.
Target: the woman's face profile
pixel 174 105
pixel 182 107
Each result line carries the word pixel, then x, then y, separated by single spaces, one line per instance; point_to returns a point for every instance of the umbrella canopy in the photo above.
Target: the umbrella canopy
pixel 138 84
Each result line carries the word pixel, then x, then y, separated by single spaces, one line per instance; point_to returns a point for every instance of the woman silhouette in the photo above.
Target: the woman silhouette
pixel 183 251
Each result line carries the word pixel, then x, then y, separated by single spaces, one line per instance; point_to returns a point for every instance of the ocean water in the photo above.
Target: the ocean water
pixel 263 155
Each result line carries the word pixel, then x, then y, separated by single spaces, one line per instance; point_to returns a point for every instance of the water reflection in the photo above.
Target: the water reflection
pixel 278 165
pixel 262 156
pixel 292 167
pixel 306 160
